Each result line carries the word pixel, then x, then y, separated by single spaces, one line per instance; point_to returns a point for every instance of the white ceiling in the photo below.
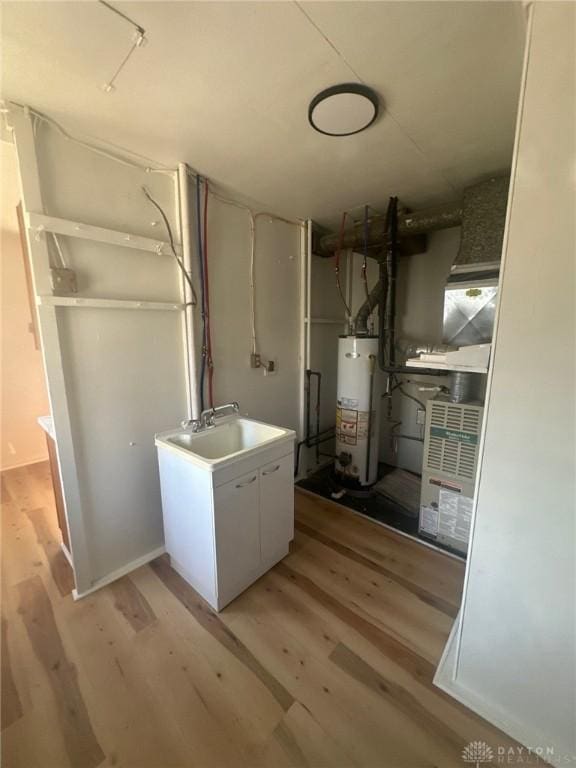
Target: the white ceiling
pixel 225 86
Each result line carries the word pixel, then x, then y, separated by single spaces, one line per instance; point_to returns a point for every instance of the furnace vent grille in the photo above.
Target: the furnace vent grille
pixel 453 432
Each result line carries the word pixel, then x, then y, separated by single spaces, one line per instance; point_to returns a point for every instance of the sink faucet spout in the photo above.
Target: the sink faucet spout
pixel 208 417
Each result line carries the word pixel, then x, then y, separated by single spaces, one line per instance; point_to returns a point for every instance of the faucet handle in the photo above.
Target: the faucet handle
pixel 193 424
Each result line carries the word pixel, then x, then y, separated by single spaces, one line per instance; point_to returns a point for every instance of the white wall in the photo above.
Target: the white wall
pixel 273 398
pixel 22 383
pixel 115 376
pixel 123 369
pixel 517 654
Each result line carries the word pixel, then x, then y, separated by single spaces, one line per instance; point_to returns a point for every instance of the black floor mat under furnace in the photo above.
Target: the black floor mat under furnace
pixel 378 507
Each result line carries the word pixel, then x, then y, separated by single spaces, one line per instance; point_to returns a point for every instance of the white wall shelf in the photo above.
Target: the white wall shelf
pixel 72 301
pixel 447 366
pixel 38 223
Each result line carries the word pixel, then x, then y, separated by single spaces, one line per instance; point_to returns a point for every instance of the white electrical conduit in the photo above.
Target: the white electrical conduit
pixel 253 218
pixel 143 166
pixel 186 235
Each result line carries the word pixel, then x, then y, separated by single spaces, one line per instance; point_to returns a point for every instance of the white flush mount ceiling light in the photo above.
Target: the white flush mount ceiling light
pixel 343 110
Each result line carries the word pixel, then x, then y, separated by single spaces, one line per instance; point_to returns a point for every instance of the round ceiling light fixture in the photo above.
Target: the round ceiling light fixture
pixel 343 110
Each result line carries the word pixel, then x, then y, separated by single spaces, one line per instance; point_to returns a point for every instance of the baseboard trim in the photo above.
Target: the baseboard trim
pixel 446 669
pixel 498 718
pixel 105 580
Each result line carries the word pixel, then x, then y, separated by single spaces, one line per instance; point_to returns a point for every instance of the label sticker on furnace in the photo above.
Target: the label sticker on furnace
pixel 429 520
pixel 455 515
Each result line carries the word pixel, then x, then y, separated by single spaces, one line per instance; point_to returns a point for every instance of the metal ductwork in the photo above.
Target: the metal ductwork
pixel 409 225
pixel 471 290
pixel 483 218
pixel 371 303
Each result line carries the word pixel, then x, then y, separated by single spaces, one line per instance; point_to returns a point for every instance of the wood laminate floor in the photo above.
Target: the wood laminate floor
pixel 326 661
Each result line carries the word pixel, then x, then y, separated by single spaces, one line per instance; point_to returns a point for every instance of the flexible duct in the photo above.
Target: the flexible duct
pixel 361 319
pixel 461 387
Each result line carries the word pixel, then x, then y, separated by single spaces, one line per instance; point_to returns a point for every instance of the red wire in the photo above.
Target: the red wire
pixel 208 340
pixel 340 239
pixel 337 264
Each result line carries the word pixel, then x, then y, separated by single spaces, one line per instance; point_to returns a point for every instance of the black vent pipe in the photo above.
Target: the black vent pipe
pixel 387 302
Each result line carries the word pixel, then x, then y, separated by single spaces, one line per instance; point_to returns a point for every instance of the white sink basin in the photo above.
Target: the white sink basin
pixel 231 439
pixel 227 503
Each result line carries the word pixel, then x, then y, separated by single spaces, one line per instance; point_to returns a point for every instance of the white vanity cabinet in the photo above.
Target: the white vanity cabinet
pixel 276 508
pixel 227 523
pixel 254 524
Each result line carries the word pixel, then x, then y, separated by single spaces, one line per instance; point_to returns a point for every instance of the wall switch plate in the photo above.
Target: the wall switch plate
pixel 420 416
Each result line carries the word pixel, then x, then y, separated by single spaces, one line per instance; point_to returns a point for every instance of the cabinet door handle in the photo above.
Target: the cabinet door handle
pixel 243 485
pixel 269 471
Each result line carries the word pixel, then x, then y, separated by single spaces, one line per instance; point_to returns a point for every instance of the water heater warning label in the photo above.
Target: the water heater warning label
pixel 348 402
pixel 351 425
pixel 347 426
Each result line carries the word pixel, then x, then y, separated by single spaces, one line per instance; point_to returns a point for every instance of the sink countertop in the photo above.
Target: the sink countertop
pixel 47 424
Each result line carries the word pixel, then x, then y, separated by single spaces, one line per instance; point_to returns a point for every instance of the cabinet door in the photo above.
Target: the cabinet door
pixel 276 508
pixel 237 525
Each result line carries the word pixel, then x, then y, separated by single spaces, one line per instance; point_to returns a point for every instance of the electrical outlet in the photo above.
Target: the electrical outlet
pixel 255 361
pixel 420 416
pixel 270 368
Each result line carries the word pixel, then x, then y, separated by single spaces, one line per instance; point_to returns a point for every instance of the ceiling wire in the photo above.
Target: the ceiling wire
pixel 330 43
pixel 394 119
pixel 138 42
pixel 136 26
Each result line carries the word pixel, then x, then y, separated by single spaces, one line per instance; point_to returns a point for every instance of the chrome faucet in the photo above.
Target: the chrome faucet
pixel 220 409
pixel 208 417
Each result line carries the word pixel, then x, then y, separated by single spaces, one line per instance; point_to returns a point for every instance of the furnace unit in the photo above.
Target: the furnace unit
pixel 451 444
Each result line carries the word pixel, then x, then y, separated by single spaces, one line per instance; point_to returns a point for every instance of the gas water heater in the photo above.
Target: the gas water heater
pixel 358 410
